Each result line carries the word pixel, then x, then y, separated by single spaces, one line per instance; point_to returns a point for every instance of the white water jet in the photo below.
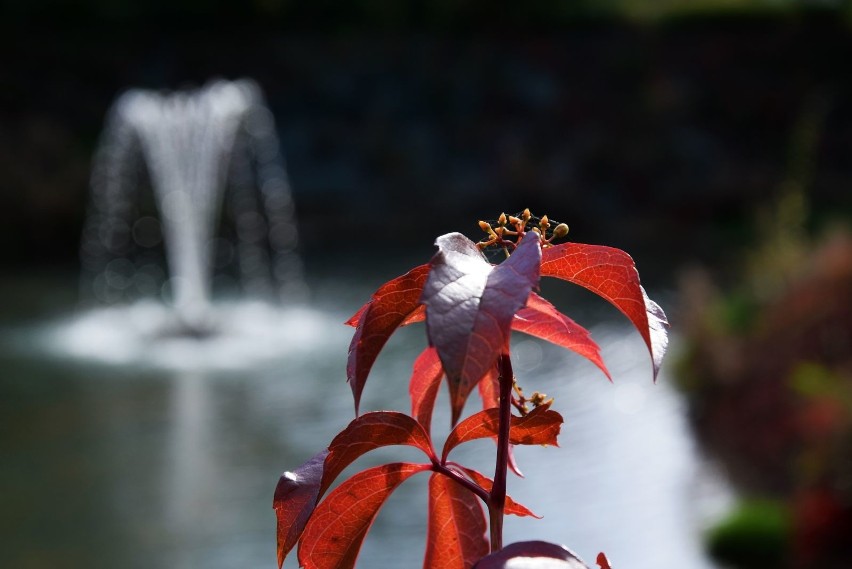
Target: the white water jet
pixel 212 161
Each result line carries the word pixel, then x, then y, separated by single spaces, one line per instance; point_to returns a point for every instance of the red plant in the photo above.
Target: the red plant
pixel 470 307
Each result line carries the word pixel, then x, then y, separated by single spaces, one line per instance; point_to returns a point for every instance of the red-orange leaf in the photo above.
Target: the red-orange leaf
pixel 539 318
pixel 295 498
pixel 355 318
pixel 489 389
pixel 371 431
pixel 456 536
pixel 602 561
pixel 335 532
pixel 419 315
pixel 389 307
pixel 611 274
pixel 511 506
pixel 529 555
pixel 540 427
pixel 470 305
pixel 423 387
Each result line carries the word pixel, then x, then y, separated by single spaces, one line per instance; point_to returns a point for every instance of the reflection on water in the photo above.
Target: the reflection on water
pixel 124 448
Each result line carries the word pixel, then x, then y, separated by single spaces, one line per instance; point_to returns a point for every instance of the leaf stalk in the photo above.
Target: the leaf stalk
pixel 472 486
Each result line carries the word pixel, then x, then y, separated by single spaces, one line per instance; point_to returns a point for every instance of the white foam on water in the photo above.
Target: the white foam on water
pixel 147 334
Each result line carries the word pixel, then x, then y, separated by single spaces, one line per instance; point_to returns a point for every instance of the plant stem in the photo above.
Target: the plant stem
pixel 475 488
pixel 497 499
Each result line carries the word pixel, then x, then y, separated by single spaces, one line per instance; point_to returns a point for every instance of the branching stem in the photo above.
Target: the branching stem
pixel 473 487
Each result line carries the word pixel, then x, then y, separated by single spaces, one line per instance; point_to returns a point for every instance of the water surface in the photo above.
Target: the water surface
pixel 122 448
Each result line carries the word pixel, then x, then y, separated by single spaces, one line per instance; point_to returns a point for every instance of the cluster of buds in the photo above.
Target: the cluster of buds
pixel 520 401
pixel 508 229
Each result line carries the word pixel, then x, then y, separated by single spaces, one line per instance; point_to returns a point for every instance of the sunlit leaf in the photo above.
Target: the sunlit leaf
pixel 489 389
pixel 611 274
pixel 539 318
pixel 389 307
pixel 470 305
pixel 540 427
pixel 418 315
pixel 532 555
pixel 423 386
pixel 295 498
pixel 355 318
pixel 511 507
pixel 456 537
pixel 371 431
pixel 336 531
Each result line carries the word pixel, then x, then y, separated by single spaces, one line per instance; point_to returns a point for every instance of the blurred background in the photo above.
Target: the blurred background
pixel 710 139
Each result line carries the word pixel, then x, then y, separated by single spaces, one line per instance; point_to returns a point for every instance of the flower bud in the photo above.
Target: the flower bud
pixel 560 231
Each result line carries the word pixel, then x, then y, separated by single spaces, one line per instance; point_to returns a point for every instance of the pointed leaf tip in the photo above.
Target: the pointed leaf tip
pixel 611 274
pixel 392 305
pixel 512 507
pixel 295 498
pixel 658 333
pixel 541 319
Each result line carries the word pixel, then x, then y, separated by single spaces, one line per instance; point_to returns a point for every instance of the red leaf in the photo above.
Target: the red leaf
pixel 390 306
pixel 457 527
pixel 539 318
pixel 470 305
pixel 419 315
pixel 602 561
pixel 295 498
pixel 511 506
pixel 540 427
pixel 355 318
pixel 528 555
pixel 489 389
pixel 368 432
pixel 339 524
pixel 424 385
pixel 611 274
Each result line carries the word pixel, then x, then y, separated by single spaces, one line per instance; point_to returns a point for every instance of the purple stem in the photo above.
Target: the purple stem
pixel 497 499
pixel 473 487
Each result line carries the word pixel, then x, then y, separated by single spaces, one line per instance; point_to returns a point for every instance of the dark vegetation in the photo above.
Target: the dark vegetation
pixel 768 354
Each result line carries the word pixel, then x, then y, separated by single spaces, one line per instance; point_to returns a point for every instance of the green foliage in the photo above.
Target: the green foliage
pixel 755 536
pixel 813 381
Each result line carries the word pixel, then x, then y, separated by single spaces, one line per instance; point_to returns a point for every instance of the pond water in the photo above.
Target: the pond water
pixel 124 449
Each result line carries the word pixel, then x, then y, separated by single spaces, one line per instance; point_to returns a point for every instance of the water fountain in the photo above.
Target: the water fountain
pixel 195 178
